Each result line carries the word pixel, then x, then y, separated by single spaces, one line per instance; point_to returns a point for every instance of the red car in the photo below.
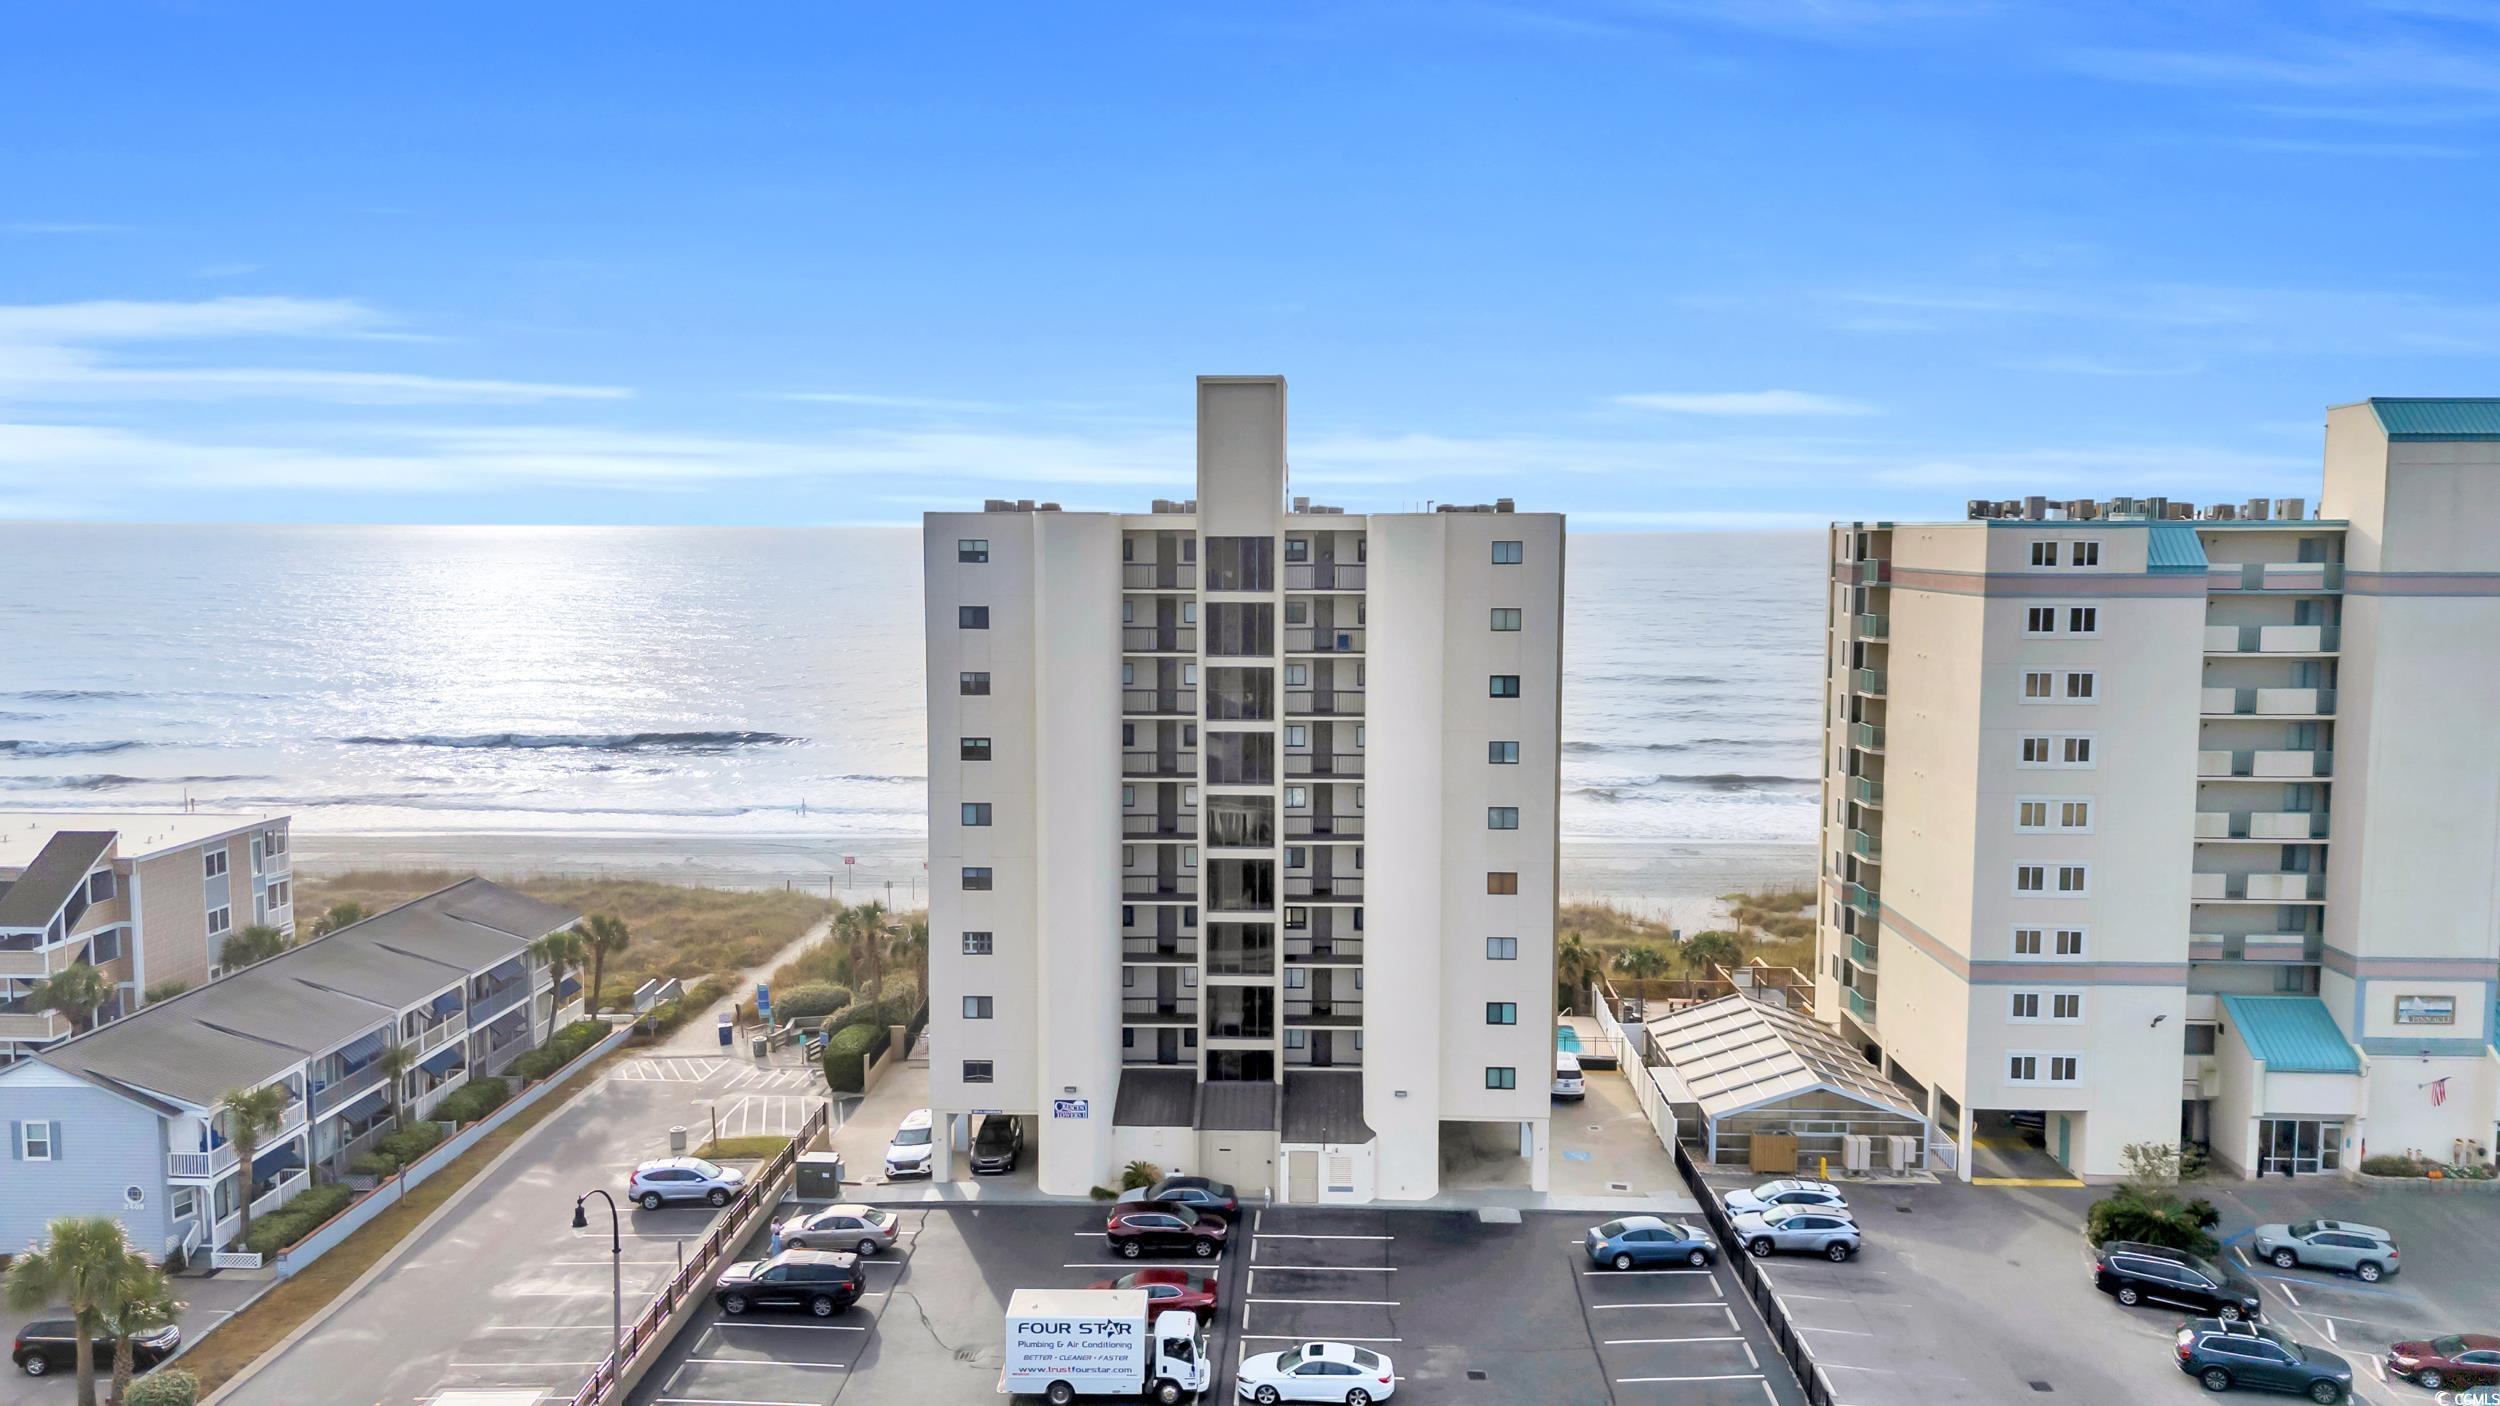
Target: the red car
pixel 1163 1225
pixel 1176 1289
pixel 2460 1359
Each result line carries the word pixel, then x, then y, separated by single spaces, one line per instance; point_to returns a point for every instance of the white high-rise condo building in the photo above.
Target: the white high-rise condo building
pixel 2144 823
pixel 1242 830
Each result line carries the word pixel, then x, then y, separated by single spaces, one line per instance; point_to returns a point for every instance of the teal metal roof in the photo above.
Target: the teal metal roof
pixel 2292 1034
pixel 2173 547
pixel 2459 418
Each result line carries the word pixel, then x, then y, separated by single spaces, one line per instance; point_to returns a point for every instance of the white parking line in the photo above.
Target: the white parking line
pixel 545 1327
pixel 1845 1332
pixel 1720 1377
pixel 1280 1235
pixel 513 1366
pixel 1658 1305
pixel 1333 1303
pixel 1305 1337
pixel 764 1362
pixel 811 1327
pixel 1334 1268
pixel 721 1401
pixel 1634 1342
pixel 1612 1273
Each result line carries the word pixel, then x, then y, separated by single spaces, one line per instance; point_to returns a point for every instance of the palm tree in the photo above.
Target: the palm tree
pixel 1576 967
pixel 79 1266
pixel 143 1301
pixel 863 932
pixel 1704 950
pixel 562 952
pixel 251 1114
pixel 1642 963
pixel 603 936
pixel 257 943
pixel 393 1064
pixel 76 991
pixel 339 916
pixel 912 946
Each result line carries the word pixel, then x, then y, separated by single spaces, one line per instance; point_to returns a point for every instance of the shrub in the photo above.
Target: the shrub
pixel 810 1000
pixel 2154 1218
pixel 1137 1174
pixel 472 1100
pixel 297 1219
pixel 373 1164
pixel 408 1144
pixel 892 1010
pixel 168 1386
pixel 700 997
pixel 847 1055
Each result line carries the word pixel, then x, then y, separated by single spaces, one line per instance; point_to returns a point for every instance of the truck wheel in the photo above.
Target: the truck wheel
pixel 1060 1394
pixel 1168 1392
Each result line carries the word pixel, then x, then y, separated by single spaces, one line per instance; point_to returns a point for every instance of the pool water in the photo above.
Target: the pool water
pixel 1566 1039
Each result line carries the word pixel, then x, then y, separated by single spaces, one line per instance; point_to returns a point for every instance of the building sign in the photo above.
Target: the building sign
pixel 1070 1108
pixel 2426 1010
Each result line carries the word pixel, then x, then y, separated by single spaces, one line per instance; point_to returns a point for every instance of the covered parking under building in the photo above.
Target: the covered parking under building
pixel 1737 1067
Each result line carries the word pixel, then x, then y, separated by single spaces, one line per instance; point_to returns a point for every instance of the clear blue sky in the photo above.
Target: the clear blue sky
pixel 1654 264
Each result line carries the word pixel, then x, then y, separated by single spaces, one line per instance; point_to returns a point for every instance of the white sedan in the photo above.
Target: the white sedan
pixel 1318 1371
pixel 862 1228
pixel 1773 1194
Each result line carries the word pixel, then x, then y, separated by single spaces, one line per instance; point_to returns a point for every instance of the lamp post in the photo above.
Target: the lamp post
pixel 616 1271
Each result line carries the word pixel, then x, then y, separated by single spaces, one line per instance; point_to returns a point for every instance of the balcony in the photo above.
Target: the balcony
pixel 497 1000
pixel 1149 1010
pixel 1152 951
pixel 1324 829
pixel 1861 1005
pixel 2291 577
pixel 1164 888
pixel 1867 737
pixel 1866 846
pixel 1334 952
pixel 2257 888
pixel 1336 639
pixel 1334 1015
pixel 1868 681
pixel 1154 576
pixel 1159 639
pixel 289 1183
pixel 1325 888
pixel 2268 702
pixel 200 1166
pixel 345 1090
pixel 2273 639
pixel 1323 576
pixel 2266 825
pixel 2295 765
pixel 1323 764
pixel 1863 900
pixel 1867 791
pixel 1159 702
pixel 1181 825
pixel 1877 572
pixel 1874 627
pixel 25 964
pixel 33 1025
pixel 439 1034
pixel 1242 960
pixel 1177 764
pixel 1312 703
pixel 1862 952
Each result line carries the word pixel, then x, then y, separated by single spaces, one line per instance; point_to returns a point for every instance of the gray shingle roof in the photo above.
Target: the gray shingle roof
pixel 505 910
pixel 1155 1098
pixel 57 871
pixel 1324 1106
pixel 1231 1106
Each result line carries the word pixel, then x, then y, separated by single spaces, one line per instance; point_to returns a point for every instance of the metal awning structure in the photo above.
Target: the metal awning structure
pixel 1736 1055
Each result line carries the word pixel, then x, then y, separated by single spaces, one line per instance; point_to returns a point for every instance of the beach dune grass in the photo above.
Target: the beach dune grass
pixel 678 930
pixel 1775 927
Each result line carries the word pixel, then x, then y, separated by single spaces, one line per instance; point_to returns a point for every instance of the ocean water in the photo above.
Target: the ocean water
pixel 633 681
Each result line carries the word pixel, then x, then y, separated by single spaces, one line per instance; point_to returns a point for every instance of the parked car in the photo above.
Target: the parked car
pixel 1786 1193
pixel 997 1146
pixel 2459 1359
pixel 824 1282
pixel 2135 1274
pixel 1637 1240
pixel 1569 1086
pixel 1804 1229
pixel 2223 1355
pixel 51 1345
pixel 1133 1229
pixel 655 1184
pixel 864 1229
pixel 1176 1289
pixel 2366 1251
pixel 1317 1371
pixel 1201 1193
pixel 909 1153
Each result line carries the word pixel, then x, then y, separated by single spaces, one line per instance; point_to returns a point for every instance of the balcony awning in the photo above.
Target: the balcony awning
pixel 568 988
pixel 2292 1034
pixel 285 1155
pixel 366 1106
pixel 356 1053
pixel 444 1060
pixel 446 1003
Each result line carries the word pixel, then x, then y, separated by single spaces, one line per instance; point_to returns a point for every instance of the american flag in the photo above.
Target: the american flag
pixel 2439 1092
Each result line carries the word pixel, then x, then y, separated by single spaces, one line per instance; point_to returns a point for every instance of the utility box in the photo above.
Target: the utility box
pixel 820 1176
pixel 727 1032
pixel 1904 1151
pixel 1856 1151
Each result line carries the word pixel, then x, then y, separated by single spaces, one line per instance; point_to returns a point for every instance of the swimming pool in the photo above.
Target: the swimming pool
pixel 1566 1039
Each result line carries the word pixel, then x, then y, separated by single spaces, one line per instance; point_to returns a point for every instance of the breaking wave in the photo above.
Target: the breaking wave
pixel 581 741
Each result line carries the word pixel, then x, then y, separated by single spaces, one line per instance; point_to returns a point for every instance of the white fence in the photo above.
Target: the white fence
pixel 1652 1096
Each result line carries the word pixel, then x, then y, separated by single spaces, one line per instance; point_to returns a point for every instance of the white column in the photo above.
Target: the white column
pixel 1970 1152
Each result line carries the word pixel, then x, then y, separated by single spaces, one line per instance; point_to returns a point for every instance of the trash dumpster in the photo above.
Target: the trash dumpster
pixel 820 1176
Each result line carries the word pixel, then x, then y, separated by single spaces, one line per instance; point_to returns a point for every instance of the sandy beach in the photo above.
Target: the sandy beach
pixel 1679 881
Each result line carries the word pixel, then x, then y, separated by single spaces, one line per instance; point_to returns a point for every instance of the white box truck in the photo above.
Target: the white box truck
pixel 1063 1344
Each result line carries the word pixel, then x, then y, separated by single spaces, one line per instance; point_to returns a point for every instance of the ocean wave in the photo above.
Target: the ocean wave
pixel 1697 744
pixel 12 747
pixel 580 741
pixel 489 806
pixel 67 695
pixel 1668 680
pixel 109 781
pixel 1707 780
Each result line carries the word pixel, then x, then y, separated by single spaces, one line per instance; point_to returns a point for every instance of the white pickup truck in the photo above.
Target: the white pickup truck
pixel 1063 1344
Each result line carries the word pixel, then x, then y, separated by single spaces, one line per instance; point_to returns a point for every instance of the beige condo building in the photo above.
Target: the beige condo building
pixel 2146 823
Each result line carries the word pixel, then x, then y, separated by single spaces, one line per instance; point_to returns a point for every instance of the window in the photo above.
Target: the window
pixel 1505 618
pixel 2083 620
pixel 1297 735
pixel 106 945
pixel 1501 949
pixel 2036 751
pixel 2087 553
pixel 976 812
pixel 1501 1076
pixel 977 749
pixel 1500 882
pixel 214 862
pixel 1502 753
pixel 2064 1069
pixel 278 892
pixel 1505 685
pixel 2040 620
pixel 2044 554
pixel 2026 1006
pixel 1507 553
pixel 972 549
pixel 35 1141
pixel 977 944
pixel 973 685
pixel 2076 751
pixel 2030 878
pixel 2066 1005
pixel 1501 817
pixel 2070 942
pixel 976 1007
pixel 2022 1069
pixel 2031 815
pixel 2080 687
pixel 1297 549
pixel 1501 1012
pixel 219 919
pixel 2200 1037
pixel 1297 676
pixel 2073 880
pixel 2074 815
pixel 2026 942
pixel 1297 797
pixel 2038 685
pixel 100 884
pixel 977 880
pixel 976 1071
pixel 972 617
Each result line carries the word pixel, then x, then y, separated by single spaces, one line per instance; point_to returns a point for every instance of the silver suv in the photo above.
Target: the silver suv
pixel 2365 1251
pixel 655 1184
pixel 1812 1230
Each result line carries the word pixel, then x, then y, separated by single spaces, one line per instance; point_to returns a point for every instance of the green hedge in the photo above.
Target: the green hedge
pixel 297 1218
pixel 472 1100
pixel 561 1049
pixel 168 1386
pixel 400 1148
pixel 893 1010
pixel 847 1055
pixel 810 1000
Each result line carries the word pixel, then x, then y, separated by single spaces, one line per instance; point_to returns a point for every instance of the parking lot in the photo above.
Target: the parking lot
pixel 1984 1295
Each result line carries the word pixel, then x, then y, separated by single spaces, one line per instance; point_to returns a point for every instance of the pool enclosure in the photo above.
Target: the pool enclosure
pixel 1735 1068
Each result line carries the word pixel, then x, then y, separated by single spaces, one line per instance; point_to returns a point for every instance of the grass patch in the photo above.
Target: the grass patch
pixel 240 1340
pixel 679 931
pixel 743 1149
pixel 1774 927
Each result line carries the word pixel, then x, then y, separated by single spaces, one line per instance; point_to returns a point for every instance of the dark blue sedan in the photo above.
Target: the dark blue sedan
pixel 1644 1240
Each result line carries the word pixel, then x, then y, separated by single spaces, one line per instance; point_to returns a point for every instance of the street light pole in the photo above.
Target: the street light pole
pixel 616 1272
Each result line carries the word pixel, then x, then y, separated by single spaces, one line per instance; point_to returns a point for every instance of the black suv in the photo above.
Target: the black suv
pixel 996 1147
pixel 823 1282
pixel 2137 1274
pixel 2224 1355
pixel 51 1345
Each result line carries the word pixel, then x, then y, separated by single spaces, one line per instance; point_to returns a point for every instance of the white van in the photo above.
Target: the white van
pixel 1567 1081
pixel 910 1153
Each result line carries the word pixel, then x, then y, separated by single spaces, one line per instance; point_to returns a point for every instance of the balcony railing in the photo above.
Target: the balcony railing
pixel 423 1104
pixel 1148 702
pixel 1862 952
pixel 498 1000
pixel 1866 846
pixel 1323 576
pixel 1343 951
pixel 1864 899
pixel 1174 765
pixel 1153 576
pixel 2292 765
pixel 1867 737
pixel 1335 1015
pixel 1242 961
pixel 2273 639
pixel 2268 702
pixel 345 1090
pixel 1312 703
pixel 2261 825
pixel 1323 764
pixel 1875 573
pixel 1158 949
pixel 2315 577
pixel 1323 886
pixel 1181 826
pixel 200 1165
pixel 1868 681
pixel 1168 886
pixel 1156 639
pixel 2257 888
pixel 1874 627
pixel 1861 1005
pixel 440 1033
pixel 1337 639
pixel 1148 1010
pixel 289 1183
pixel 1323 829
pixel 17 963
pixel 1867 791
pixel 33 1025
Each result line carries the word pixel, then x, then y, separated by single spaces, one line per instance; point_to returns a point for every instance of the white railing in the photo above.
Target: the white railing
pixel 424 1103
pixel 233 1259
pixel 45 1025
pixel 439 1034
pixel 282 1192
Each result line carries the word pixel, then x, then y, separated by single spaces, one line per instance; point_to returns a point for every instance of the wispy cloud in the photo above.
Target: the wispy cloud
pixel 2095 366
pixel 2201 318
pixel 132 321
pixel 2383 151
pixel 871 401
pixel 1745 403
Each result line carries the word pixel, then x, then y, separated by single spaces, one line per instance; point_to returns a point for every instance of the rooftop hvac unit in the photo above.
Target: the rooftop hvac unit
pixel 1857 1151
pixel 1904 1150
pixel 2255 509
pixel 2035 507
pixel 2293 509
